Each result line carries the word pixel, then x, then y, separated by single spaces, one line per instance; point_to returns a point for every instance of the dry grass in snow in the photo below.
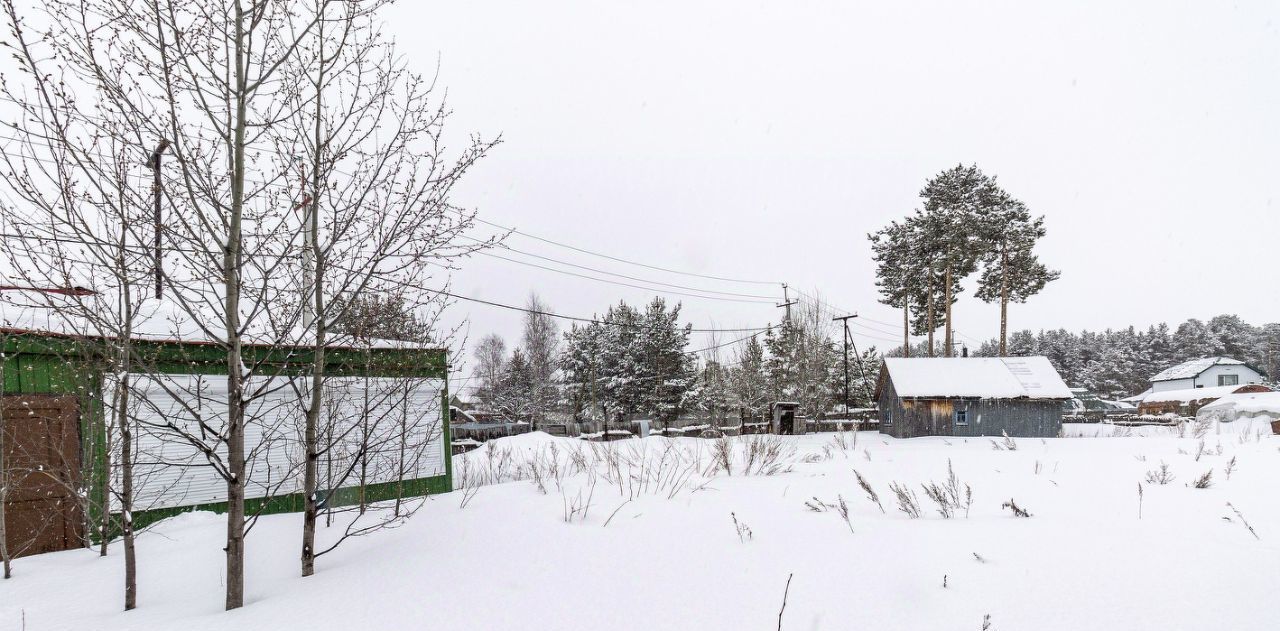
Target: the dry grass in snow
pixel 686 533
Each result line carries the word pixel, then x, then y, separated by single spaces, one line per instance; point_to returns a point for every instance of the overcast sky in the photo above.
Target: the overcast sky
pixel 764 140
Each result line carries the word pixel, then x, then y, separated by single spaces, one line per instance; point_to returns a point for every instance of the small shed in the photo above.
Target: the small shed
pixel 1188 402
pixel 970 396
pixel 782 418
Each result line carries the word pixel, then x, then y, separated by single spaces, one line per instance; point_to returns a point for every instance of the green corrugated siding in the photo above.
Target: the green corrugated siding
pixel 50 364
pixel 292 503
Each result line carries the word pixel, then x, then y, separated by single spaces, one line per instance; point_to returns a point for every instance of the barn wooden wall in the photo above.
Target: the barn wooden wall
pixel 987 417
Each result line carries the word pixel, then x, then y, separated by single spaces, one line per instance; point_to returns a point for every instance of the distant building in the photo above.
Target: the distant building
pixel 1206 372
pixel 1188 401
pixel 1247 406
pixel 970 396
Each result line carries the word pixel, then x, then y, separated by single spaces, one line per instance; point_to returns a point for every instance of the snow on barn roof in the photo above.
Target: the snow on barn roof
pixel 1191 369
pixel 976 377
pixel 1187 395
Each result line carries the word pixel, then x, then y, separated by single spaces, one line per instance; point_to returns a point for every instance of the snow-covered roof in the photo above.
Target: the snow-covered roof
pixel 1247 402
pixel 976 377
pixel 1137 398
pixel 163 320
pixel 1187 395
pixel 1191 369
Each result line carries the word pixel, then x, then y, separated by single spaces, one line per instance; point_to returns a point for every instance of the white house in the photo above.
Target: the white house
pixel 1207 372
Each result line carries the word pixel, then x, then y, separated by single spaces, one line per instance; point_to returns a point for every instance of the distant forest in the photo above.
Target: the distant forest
pixel 1121 362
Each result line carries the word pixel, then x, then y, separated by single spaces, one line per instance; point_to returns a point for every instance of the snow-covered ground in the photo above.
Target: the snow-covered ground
pixel 641 534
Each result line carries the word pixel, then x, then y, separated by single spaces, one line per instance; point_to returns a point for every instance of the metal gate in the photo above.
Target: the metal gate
pixel 41 462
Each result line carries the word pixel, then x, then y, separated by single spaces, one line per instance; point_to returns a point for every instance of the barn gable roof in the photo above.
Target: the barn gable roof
pixel 1193 368
pixel 974 377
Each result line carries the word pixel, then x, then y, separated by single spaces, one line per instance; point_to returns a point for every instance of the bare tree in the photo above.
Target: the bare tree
pixel 491 368
pixel 541 344
pixel 375 213
pixel 207 78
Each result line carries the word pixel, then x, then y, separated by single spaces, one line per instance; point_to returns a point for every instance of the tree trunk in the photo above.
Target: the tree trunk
pixel 104 500
pixel 1004 303
pixel 235 376
pixel 4 485
pixel 906 329
pixel 310 476
pixel 126 491
pixel 313 297
pixel 929 316
pixel 947 339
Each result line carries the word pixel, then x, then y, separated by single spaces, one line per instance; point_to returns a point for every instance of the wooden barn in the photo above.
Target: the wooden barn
pixel 970 396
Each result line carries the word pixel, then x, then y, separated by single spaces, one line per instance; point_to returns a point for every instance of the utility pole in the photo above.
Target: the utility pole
pixel 844 320
pixel 786 302
pixel 786 365
pixel 308 249
pixel 848 339
pixel 154 164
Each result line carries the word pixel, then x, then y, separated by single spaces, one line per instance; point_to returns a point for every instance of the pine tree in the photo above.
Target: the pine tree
pixel 622 372
pixel 580 364
pixel 515 398
pixel 955 202
pixel 665 369
pixel 1011 271
pixel 1194 340
pixel 896 276
pixel 748 385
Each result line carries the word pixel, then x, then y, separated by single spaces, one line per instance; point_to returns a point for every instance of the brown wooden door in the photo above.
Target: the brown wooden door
pixel 41 458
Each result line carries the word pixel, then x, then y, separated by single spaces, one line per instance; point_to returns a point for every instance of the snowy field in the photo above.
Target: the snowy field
pixel 641 534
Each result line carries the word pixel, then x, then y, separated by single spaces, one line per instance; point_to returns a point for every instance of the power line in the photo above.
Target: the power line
pixel 642 280
pixel 138 249
pixel 732 342
pixel 614 282
pixel 621 260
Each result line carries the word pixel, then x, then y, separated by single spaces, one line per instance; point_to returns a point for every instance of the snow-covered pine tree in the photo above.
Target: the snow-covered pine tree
pixel 621 371
pixel 748 386
pixel 515 397
pixel 710 393
pixel 665 370
pixel 895 274
pixel 928 296
pixel 955 203
pixel 1011 271
pixel 1193 339
pixel 579 363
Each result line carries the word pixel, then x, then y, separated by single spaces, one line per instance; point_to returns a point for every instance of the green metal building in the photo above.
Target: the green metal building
pixel 385 422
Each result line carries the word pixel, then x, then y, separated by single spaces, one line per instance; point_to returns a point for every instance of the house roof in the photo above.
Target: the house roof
pixel 1187 395
pixel 975 377
pixel 1193 368
pixel 1137 398
pixel 162 320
